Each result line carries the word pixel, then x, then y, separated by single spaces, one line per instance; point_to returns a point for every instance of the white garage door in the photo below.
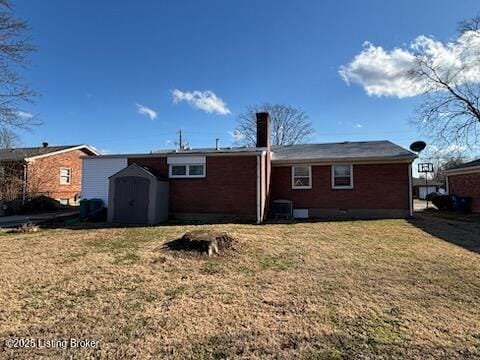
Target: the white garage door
pixel 425 190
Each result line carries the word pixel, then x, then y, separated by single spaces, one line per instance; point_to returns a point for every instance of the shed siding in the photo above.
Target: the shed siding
pixel 96 172
pixel 229 187
pixel 466 185
pixel 375 186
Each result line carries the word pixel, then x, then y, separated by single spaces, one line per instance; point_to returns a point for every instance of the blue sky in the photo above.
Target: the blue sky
pixel 99 60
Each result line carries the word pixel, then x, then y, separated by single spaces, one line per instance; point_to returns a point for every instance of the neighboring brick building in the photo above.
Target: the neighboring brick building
pixel 464 180
pixel 53 171
pixel 350 179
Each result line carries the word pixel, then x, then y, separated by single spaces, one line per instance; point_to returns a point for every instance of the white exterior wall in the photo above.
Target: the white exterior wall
pixel 95 174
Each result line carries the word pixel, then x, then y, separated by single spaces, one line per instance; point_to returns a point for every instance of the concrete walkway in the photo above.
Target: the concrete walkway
pixel 17 220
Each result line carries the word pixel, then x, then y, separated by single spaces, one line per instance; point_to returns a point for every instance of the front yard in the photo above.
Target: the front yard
pixel 388 288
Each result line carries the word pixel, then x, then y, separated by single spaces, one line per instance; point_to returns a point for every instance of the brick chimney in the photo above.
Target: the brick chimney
pixel 263 129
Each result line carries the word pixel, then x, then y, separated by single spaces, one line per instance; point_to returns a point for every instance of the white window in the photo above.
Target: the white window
pixel 187 171
pixel 65 176
pixel 342 176
pixel 301 177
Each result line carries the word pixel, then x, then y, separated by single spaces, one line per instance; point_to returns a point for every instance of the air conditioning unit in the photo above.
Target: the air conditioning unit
pixel 282 209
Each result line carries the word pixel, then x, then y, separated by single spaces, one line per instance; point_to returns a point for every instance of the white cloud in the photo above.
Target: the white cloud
pixel 143 110
pixel 384 72
pixel 24 115
pixel 203 100
pixel 358 126
pixel 236 135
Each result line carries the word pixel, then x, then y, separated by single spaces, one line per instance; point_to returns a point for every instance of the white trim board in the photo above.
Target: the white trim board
pixel 80 147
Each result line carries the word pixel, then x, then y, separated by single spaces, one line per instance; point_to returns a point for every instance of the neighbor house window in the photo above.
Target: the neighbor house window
pixel 301 177
pixel 65 176
pixel 342 176
pixel 187 171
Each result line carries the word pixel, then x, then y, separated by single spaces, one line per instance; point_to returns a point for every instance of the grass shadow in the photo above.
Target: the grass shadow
pixel 454 228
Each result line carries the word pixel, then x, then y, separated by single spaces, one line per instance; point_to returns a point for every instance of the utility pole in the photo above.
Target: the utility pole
pixel 180 140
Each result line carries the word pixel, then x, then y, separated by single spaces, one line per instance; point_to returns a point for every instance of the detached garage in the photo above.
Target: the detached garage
pixel 464 181
pixel 136 195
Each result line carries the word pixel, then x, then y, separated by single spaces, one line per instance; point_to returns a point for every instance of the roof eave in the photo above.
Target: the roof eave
pixel 463 170
pixel 403 159
pixel 79 147
pixel 259 151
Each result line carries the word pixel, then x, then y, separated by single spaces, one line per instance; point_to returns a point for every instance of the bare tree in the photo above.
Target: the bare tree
pixel 10 171
pixel 8 139
pixel 15 46
pixel 288 125
pixel 450 111
pixel 442 159
pixel 472 24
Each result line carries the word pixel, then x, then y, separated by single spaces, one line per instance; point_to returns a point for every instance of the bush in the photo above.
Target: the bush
pixel 431 196
pixel 41 203
pixel 443 202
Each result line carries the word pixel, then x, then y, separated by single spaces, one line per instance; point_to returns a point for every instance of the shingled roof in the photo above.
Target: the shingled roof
pixel 343 151
pixel 466 165
pixel 16 154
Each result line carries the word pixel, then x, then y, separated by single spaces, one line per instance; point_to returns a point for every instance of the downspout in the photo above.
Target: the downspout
pixel 24 184
pixel 447 185
pixel 410 194
pixel 259 215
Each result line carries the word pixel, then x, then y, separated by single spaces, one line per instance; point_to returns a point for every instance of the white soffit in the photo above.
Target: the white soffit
pixel 182 160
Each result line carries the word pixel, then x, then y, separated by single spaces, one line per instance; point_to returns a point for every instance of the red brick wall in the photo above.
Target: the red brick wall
pixel 43 177
pixel 228 188
pixel 375 186
pixel 466 185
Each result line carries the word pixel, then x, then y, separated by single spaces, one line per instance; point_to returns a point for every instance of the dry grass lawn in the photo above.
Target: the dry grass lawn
pixel 359 289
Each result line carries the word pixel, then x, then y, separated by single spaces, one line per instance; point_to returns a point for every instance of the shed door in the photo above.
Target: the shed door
pixel 131 198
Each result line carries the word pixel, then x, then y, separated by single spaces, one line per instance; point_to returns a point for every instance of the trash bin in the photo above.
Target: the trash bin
pixel 83 208
pixel 463 204
pixel 94 205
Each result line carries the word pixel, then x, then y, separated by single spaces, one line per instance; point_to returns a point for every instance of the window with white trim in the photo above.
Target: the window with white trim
pixel 342 176
pixel 65 176
pixel 301 177
pixel 186 171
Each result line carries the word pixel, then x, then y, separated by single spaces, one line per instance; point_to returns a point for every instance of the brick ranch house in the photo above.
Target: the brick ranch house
pixel 53 171
pixel 464 180
pixel 351 179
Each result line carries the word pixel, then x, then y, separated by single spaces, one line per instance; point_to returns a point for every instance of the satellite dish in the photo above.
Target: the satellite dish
pixel 418 146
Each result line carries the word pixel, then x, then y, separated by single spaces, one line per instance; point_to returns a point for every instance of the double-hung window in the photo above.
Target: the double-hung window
pixel 65 176
pixel 301 177
pixel 342 176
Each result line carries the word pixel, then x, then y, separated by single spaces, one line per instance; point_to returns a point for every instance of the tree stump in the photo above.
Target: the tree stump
pixel 207 241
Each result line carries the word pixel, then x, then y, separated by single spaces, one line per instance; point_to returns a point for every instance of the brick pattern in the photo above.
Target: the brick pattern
pixel 466 185
pixel 228 188
pixel 43 176
pixel 375 186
